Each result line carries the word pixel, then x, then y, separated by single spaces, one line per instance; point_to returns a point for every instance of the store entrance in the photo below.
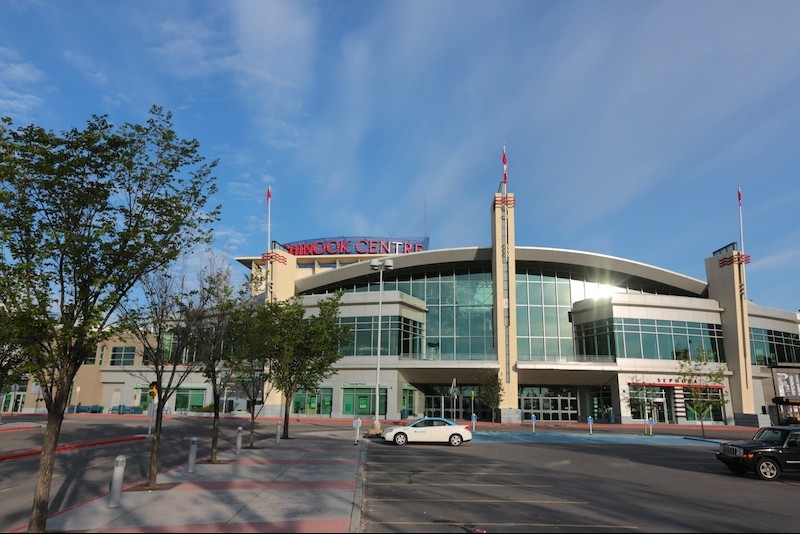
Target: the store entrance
pixel 658 411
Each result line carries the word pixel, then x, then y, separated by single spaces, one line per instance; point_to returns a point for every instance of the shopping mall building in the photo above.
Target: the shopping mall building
pixel 571 334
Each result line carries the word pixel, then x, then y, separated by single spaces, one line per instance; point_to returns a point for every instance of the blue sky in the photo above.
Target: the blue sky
pixel 628 125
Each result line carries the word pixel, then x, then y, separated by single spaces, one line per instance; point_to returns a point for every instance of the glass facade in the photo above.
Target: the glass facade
pixel 361 401
pixel 544 300
pixel 313 402
pixel 399 336
pixel 558 403
pixel 648 339
pixel 459 323
pixel 770 347
pixel 651 401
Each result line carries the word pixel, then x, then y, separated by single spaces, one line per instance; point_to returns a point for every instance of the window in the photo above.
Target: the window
pixel 187 399
pixel 122 356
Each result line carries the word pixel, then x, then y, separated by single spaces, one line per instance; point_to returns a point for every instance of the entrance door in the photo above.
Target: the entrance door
pixel 659 408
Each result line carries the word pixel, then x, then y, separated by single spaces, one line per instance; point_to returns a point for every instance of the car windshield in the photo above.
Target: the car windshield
pixel 772 436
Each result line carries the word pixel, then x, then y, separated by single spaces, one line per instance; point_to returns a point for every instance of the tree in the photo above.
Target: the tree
pixel 168 322
pixel 247 361
pixel 214 336
pixel 302 350
pixel 491 392
pixel 702 378
pixel 84 216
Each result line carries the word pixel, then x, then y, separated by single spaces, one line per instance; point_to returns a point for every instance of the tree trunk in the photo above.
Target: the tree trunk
pixel 153 474
pixel 253 426
pixel 702 426
pixel 215 427
pixel 44 479
pixel 287 406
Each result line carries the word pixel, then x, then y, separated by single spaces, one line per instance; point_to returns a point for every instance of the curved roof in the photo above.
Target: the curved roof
pixel 609 268
pixel 601 263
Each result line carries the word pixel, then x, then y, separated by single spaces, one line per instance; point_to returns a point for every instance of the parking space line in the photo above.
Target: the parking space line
pixel 556 526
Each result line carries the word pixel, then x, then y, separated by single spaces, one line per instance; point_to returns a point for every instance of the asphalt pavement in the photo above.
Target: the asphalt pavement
pixel 312 482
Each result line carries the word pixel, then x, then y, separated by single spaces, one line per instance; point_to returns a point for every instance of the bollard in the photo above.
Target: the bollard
pixel 239 440
pixel 116 482
pixel 192 455
pixel 357 427
pixel 278 434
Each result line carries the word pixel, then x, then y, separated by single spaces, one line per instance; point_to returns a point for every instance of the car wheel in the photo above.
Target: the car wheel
pixel 738 469
pixel 767 469
pixel 455 440
pixel 400 438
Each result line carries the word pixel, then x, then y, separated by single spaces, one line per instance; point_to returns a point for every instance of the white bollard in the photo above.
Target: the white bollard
pixel 278 434
pixel 116 482
pixel 192 455
pixel 239 440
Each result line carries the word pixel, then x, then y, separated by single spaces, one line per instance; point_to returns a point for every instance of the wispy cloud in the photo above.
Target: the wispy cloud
pixel 18 80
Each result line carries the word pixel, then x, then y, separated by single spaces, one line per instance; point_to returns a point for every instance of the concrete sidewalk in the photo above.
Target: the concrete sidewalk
pixel 311 483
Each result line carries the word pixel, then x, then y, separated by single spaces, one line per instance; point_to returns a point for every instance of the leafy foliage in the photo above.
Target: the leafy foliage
pixel 700 375
pixel 491 392
pixel 84 216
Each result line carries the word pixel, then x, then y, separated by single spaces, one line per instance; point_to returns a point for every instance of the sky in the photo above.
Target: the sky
pixel 629 126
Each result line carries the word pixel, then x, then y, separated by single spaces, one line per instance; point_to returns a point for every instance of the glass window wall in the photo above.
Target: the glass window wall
pixel 649 339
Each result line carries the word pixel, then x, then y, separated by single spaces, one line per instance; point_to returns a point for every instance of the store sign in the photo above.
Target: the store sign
pixel 787 384
pixel 330 246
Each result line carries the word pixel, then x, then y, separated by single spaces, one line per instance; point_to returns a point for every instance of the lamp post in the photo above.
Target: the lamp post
pixel 380 266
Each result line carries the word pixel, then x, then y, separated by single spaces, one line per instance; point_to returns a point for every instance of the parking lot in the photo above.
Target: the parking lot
pixel 551 482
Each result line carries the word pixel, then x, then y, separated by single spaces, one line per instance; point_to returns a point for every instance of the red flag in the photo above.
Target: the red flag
pixel 505 166
pixel 269 193
pixel 740 196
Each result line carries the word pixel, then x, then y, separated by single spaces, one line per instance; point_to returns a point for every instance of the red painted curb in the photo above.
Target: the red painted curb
pixel 36 452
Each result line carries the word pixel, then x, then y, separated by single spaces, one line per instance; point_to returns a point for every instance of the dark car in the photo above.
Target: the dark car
pixel 773 450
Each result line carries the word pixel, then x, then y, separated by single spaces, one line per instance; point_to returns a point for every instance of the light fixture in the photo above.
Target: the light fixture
pixel 380 266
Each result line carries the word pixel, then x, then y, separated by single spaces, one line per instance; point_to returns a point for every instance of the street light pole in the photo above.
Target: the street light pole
pixel 380 266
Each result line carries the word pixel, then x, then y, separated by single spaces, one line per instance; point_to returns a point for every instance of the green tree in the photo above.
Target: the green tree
pixel 490 393
pixel 302 350
pixel 702 377
pixel 84 215
pixel 168 321
pixel 219 302
pixel 247 360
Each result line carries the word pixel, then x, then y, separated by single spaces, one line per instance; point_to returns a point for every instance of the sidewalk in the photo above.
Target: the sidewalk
pixel 311 483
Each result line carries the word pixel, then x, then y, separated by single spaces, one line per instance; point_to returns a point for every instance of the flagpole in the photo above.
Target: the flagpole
pixel 741 241
pixel 741 227
pixel 269 244
pixel 269 224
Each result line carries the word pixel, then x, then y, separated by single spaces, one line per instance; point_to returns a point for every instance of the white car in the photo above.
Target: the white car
pixel 429 430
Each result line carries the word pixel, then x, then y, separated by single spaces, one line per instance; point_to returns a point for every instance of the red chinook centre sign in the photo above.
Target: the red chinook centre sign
pixel 356 245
